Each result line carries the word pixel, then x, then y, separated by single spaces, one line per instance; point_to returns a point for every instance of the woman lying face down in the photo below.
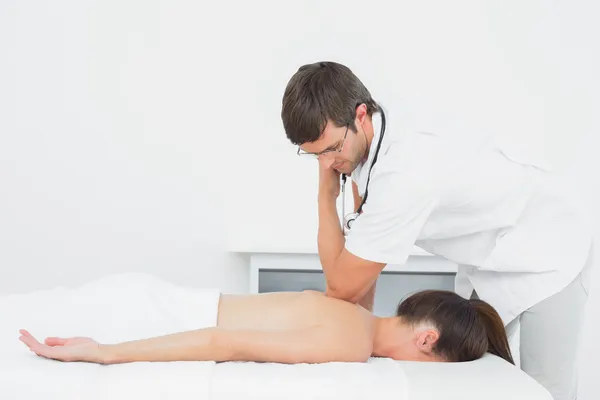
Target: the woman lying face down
pixel 308 327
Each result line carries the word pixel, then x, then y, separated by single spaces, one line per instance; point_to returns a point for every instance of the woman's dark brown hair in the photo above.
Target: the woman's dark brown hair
pixel 468 328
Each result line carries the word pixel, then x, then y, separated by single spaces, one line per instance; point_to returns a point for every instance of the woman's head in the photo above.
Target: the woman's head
pixel 441 325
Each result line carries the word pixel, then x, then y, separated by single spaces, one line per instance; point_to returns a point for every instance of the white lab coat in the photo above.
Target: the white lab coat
pixel 513 228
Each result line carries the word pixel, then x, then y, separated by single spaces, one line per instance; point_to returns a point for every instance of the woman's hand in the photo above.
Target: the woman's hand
pixel 72 349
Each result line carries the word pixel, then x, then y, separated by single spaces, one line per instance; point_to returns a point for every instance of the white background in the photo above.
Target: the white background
pixel 146 135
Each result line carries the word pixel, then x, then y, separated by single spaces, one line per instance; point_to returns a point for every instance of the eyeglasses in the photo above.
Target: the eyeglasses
pixel 337 148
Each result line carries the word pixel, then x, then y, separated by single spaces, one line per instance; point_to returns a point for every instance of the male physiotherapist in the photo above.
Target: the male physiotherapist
pixel 520 242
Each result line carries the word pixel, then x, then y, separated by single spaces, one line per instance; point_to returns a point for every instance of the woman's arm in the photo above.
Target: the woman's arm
pixel 313 345
pixel 218 344
pixel 195 345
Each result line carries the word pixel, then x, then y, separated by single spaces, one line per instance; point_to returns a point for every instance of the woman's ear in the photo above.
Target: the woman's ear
pixel 426 340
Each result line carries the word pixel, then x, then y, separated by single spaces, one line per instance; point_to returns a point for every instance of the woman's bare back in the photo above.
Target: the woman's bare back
pixel 291 310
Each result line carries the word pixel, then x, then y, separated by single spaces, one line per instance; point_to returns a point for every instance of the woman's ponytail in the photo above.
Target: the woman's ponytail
pixel 496 333
pixel 468 328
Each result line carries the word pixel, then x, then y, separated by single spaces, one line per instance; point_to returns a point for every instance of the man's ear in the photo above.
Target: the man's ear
pixel 361 113
pixel 426 340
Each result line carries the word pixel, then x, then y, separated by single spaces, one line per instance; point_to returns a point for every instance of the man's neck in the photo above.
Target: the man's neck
pixel 383 338
pixel 369 134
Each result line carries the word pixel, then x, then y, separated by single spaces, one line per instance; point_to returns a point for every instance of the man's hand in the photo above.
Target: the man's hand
pixel 329 180
pixel 71 349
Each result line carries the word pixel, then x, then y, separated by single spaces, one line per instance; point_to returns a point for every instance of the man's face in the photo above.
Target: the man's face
pixel 339 147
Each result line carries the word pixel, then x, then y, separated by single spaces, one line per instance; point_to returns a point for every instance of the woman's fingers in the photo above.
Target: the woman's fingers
pixel 35 346
pixel 28 338
pixel 50 341
pixel 30 342
pixel 24 332
pixel 55 341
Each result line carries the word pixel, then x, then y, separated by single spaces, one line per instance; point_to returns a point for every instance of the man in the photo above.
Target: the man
pixel 520 242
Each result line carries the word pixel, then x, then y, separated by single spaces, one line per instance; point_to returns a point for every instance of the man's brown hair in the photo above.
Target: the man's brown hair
pixel 319 92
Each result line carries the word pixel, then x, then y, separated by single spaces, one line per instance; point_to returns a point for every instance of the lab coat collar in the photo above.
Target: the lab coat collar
pixel 359 175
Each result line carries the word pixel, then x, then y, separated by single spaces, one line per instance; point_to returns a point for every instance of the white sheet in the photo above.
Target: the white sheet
pixel 378 379
pixel 112 309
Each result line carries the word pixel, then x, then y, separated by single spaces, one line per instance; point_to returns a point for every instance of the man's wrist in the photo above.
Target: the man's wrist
pixel 326 198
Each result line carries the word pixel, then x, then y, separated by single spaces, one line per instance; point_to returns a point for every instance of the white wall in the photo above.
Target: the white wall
pixel 112 142
pixel 121 122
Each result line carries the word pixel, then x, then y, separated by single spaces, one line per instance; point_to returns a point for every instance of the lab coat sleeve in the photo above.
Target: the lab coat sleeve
pixel 396 210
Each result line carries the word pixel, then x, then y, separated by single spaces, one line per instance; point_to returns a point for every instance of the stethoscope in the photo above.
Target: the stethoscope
pixel 349 219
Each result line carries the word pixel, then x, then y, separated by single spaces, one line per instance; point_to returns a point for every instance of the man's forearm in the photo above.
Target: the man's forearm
pixel 368 300
pixel 196 345
pixel 331 242
pixel 346 282
pixel 330 236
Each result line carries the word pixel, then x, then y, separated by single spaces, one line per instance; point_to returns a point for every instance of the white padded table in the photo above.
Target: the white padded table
pixel 489 378
pixel 131 306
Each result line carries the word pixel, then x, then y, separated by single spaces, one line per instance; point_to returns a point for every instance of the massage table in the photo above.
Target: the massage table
pixel 133 306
